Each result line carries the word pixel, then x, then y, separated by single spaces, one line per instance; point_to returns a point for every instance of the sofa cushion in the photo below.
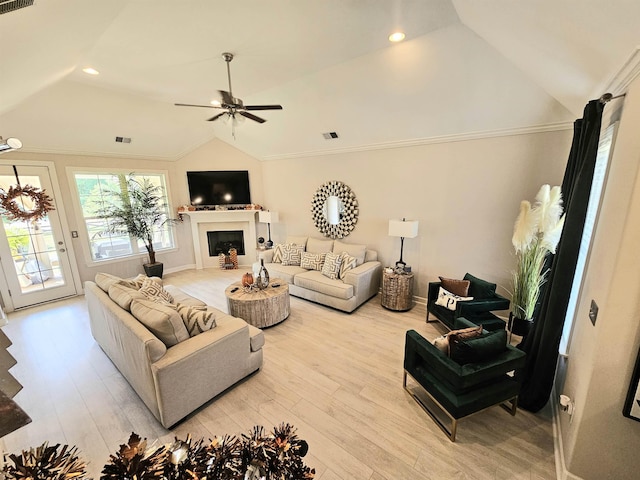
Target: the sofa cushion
pixel 162 320
pixel 312 261
pixel 449 300
pixel 284 272
pixel 331 267
pixel 457 287
pixel 358 251
pixel 180 297
pixel 297 240
pixel 348 262
pixel 197 318
pixel 315 245
pixel 105 280
pixel 122 293
pixel 154 291
pixel 292 254
pixel 479 288
pixel 318 282
pixel 477 349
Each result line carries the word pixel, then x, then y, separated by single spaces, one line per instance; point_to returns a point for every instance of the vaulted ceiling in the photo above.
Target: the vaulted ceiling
pixel 465 67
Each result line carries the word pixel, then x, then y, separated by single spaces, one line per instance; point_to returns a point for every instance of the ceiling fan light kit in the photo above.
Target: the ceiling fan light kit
pixel 231 105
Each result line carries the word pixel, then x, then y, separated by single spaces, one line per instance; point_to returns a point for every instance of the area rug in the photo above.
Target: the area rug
pixel 12 417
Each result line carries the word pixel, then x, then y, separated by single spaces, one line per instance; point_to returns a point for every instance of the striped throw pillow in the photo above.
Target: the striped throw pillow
pixel 348 262
pixel 196 318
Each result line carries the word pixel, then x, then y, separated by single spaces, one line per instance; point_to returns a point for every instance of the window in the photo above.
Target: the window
pixel 95 190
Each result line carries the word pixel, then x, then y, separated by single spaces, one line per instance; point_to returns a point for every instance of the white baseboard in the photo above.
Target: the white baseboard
pixel 561 467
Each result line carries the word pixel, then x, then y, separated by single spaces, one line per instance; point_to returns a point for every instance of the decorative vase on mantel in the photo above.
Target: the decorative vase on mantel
pixel 519 326
pixel 262 280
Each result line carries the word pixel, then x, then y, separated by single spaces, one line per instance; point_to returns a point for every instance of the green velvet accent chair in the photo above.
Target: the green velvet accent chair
pixel 454 390
pixel 478 311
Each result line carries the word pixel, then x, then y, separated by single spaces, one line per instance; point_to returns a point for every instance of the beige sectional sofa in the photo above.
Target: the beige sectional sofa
pixel 347 293
pixel 176 375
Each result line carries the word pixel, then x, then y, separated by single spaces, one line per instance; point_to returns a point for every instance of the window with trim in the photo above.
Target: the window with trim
pixel 95 190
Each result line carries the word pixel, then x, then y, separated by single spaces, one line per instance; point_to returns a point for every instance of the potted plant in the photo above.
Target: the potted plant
pixel 536 234
pixel 138 207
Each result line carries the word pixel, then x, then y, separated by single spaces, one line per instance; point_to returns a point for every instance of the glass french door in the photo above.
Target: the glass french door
pixel 33 255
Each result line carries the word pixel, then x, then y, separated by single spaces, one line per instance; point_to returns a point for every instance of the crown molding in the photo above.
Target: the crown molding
pixel 628 72
pixel 458 137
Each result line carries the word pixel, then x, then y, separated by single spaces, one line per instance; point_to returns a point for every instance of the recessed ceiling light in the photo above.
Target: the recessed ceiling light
pixel 396 37
pixel 215 103
pixel 91 71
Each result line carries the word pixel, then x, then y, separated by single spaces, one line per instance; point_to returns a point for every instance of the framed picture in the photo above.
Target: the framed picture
pixel 632 404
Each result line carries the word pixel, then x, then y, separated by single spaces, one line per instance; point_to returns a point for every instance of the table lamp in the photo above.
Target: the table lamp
pixel 268 218
pixel 403 229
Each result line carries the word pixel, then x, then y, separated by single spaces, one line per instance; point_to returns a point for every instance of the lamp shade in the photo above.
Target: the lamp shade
pixel 402 228
pixel 267 217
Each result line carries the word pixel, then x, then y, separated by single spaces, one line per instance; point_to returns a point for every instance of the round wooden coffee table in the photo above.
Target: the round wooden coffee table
pixel 260 308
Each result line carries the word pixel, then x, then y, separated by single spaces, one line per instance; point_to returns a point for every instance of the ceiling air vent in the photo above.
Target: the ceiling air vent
pixel 330 135
pixel 123 140
pixel 7 6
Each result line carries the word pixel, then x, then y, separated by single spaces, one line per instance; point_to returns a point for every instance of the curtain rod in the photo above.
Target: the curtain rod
pixel 607 97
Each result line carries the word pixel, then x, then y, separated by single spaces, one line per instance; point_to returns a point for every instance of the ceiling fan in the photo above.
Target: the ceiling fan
pixel 232 105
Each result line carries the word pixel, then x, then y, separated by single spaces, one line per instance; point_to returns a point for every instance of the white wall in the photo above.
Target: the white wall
pixel 466 196
pixel 600 443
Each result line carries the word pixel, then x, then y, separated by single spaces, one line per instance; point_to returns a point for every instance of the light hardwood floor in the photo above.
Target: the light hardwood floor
pixel 336 377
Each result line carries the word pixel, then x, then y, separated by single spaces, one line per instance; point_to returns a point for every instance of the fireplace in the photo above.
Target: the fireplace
pixel 222 241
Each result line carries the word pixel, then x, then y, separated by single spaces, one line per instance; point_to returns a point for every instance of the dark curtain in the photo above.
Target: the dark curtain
pixel 542 343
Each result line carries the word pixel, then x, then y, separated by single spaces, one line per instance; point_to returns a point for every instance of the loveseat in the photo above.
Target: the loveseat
pixel 357 280
pixel 173 370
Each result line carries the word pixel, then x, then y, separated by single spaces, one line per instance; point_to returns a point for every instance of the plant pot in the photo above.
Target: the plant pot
pixel 153 269
pixel 519 326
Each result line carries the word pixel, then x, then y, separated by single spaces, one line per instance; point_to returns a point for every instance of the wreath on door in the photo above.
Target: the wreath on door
pixel 13 204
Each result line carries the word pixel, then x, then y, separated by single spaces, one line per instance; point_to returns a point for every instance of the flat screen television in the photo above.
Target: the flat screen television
pixel 225 187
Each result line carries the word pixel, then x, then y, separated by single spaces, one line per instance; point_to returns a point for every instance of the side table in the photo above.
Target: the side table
pixel 397 291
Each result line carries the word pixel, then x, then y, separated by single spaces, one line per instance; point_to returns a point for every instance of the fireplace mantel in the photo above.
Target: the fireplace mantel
pixel 246 217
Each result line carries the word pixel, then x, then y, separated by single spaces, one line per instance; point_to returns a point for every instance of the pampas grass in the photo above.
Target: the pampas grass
pixel 536 234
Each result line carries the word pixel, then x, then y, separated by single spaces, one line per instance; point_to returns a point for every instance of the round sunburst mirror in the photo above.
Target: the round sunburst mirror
pixel 335 209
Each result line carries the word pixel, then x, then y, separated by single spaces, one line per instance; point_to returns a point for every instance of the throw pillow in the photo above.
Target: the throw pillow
pixel 358 251
pixel 196 318
pixel 480 288
pixel 442 344
pixel 449 300
pixel 312 261
pixel 292 254
pixel 154 291
pixel 348 262
pixel 331 267
pixel 277 253
pixel 478 349
pixel 457 287
pixel 162 320
pixel 315 245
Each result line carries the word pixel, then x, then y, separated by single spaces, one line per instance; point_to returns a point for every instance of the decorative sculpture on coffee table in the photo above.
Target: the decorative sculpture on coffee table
pixel 262 280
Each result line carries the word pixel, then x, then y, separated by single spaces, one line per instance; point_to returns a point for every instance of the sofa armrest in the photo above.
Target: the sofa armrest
pixel 266 255
pixel 420 353
pixel 469 307
pixel 365 280
pixel 195 370
pixel 434 289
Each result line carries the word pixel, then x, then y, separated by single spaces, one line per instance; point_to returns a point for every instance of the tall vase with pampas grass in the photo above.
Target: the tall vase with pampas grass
pixel 536 234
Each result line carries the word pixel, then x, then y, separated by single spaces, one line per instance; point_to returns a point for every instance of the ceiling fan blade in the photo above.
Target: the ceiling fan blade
pixel 263 107
pixel 190 105
pixel 227 98
pixel 252 117
pixel 215 117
